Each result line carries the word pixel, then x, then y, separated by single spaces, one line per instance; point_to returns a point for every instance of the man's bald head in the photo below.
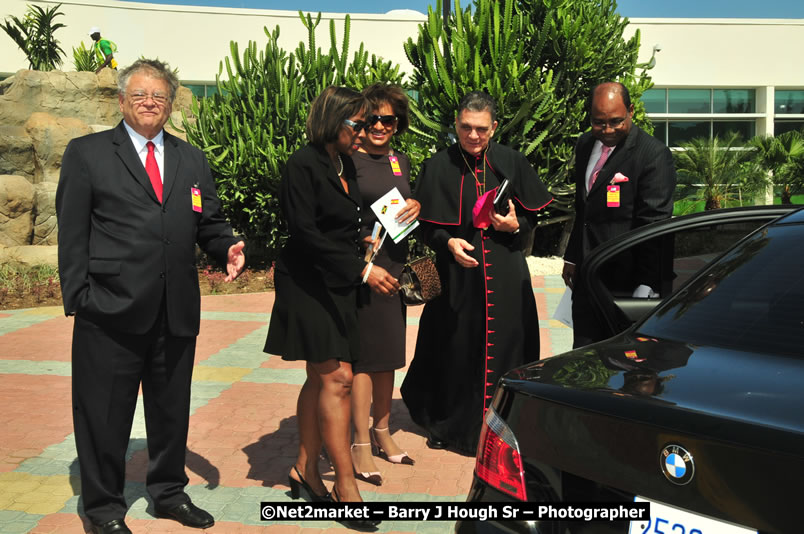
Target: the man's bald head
pixel 610 112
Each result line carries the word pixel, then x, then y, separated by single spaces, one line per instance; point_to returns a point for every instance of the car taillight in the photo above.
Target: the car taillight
pixel 498 461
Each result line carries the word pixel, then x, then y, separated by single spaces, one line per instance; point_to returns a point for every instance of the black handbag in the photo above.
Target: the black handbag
pixel 419 282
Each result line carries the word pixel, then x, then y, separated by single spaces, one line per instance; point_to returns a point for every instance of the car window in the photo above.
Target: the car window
pixel 751 299
pixel 674 258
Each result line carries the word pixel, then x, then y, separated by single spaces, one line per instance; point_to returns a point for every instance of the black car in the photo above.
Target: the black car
pixel 696 408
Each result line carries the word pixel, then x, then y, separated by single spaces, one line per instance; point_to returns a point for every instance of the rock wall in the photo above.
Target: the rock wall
pixel 40 112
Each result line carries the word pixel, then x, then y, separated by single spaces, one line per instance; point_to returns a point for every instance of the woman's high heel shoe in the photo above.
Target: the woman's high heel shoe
pixel 356 524
pixel 402 458
pixel 297 485
pixel 373 477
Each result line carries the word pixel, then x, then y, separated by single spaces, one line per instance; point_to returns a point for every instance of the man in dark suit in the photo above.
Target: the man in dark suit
pixel 132 203
pixel 624 179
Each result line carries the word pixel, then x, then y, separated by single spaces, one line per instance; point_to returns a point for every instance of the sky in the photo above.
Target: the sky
pixel 628 8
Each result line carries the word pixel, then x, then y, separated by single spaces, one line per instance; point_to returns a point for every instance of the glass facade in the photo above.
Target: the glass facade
pixel 789 102
pixel 780 127
pixel 682 131
pixel 704 103
pixel 689 101
pixel 746 129
pixel 655 100
pixel 201 90
pixel 734 101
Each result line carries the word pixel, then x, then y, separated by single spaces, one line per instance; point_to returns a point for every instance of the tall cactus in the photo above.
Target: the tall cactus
pixel 256 119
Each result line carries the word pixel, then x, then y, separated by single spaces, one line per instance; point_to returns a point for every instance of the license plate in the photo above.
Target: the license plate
pixel 666 519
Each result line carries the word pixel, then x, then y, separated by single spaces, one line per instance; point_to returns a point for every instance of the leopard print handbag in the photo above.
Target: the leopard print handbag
pixel 419 282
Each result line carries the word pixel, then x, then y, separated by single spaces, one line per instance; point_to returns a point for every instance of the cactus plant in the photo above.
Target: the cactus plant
pixel 538 59
pixel 255 121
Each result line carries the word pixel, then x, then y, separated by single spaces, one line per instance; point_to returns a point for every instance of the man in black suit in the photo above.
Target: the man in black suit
pixel 132 203
pixel 624 179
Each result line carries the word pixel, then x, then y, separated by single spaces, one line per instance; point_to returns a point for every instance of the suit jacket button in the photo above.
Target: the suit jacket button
pixel 161 275
pixel 167 241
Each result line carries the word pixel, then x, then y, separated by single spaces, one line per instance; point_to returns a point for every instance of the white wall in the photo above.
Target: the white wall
pixel 694 52
pixel 196 39
pixel 723 52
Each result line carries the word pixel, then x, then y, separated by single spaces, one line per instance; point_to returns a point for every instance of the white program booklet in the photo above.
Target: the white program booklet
pixel 387 207
pixel 563 311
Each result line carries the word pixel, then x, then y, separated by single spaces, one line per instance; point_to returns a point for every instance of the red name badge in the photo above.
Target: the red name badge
pixel 395 165
pixel 196 195
pixel 613 196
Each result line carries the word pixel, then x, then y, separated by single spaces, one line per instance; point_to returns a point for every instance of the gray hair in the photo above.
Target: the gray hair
pixel 478 101
pixel 153 68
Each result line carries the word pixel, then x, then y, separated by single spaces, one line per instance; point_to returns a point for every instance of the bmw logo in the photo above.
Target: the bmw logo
pixel 677 465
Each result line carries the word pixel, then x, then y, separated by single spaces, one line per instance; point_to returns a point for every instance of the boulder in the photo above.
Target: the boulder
pixel 45 229
pixel 16 210
pixel 30 255
pixel 16 152
pixel 82 95
pixel 49 135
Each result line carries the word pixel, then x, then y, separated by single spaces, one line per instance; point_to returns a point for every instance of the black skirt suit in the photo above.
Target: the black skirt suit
pixel 319 270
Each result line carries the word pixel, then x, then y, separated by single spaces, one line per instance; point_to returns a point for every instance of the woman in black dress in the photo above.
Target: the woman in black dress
pixel 381 319
pixel 317 277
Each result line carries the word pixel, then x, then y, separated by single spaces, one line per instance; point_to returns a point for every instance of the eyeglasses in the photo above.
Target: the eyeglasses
pixel 139 97
pixel 385 120
pixel 358 126
pixel 612 123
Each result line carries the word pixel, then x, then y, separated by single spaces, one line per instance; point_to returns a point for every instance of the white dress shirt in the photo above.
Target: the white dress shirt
pixel 142 150
pixel 597 150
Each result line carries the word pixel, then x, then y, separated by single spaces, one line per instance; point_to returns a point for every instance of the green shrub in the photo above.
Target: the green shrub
pixel 255 121
pixel 539 60
pixel 34 34
pixel 84 59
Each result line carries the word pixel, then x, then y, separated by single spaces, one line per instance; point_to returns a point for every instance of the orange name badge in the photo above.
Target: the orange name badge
pixel 613 196
pixel 395 165
pixel 196 195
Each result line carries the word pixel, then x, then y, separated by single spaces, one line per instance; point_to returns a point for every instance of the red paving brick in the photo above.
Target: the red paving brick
pixel 245 437
pixel 48 340
pixel 217 335
pixel 36 414
pixel 248 303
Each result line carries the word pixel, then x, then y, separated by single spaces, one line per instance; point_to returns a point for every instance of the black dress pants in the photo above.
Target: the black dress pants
pixel 107 370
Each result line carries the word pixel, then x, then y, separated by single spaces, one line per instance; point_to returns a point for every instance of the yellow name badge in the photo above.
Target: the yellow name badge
pixel 196 195
pixel 395 165
pixel 613 196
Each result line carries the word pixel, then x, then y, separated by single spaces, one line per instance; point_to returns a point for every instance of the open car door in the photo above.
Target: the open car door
pixel 686 244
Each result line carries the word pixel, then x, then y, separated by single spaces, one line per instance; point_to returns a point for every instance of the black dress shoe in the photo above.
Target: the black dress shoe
pixel 435 443
pixel 115 526
pixel 188 515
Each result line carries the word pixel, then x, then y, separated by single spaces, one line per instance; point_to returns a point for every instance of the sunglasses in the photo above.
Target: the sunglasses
pixel 385 120
pixel 358 126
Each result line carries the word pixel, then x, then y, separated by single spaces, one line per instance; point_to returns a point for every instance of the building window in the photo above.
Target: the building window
pixel 689 101
pixel 655 101
pixel 780 127
pixel 683 131
pixel 789 102
pixel 680 115
pixel 201 90
pixel 734 101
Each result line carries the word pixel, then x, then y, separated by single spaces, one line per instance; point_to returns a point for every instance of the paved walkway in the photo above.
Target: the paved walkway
pixel 242 430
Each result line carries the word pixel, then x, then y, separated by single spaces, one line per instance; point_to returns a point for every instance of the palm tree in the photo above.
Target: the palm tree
pixel 782 157
pixel 713 166
pixel 34 35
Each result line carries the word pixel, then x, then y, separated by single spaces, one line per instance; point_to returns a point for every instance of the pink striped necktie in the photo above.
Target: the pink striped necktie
pixel 604 155
pixel 152 168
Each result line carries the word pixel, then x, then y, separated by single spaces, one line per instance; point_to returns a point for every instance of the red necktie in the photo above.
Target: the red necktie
pixel 153 171
pixel 604 155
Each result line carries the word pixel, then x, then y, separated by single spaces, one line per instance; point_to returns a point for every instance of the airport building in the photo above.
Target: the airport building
pixel 710 75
